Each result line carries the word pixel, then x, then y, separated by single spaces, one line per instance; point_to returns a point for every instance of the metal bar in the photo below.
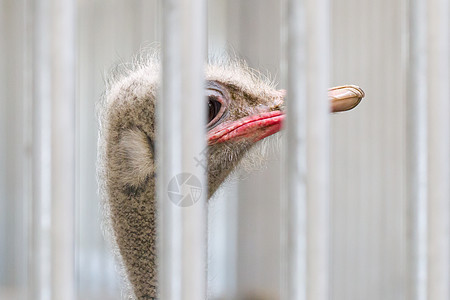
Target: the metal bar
pixel 52 257
pixel 307 150
pixel 182 135
pixel 417 151
pixel 318 145
pixel 439 149
pixel 3 146
pixel 40 253
pixel 13 249
pixel 295 207
pixel 63 14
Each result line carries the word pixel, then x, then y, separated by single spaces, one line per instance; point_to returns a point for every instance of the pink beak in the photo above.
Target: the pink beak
pixel 256 127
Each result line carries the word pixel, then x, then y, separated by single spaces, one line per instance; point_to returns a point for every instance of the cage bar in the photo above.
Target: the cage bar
pixel 318 147
pixel 439 149
pixel 52 256
pixel 295 206
pixel 64 52
pixel 182 135
pixel 416 176
pixel 40 225
pixel 308 142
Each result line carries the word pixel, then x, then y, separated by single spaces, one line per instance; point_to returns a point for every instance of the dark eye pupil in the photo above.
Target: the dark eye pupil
pixel 213 108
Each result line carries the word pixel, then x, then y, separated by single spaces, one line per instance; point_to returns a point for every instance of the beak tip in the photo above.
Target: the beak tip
pixel 357 90
pixel 345 97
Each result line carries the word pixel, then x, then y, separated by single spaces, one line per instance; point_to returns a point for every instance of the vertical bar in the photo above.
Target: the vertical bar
pixel 40 254
pixel 182 135
pixel 417 152
pixel 3 146
pixel 439 149
pixel 27 138
pixel 223 213
pixel 52 255
pixel 295 208
pixel 318 144
pixel 14 150
pixel 307 150
pixel 63 148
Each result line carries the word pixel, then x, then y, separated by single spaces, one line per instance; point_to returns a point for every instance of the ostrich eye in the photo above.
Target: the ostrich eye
pixel 217 106
pixel 213 108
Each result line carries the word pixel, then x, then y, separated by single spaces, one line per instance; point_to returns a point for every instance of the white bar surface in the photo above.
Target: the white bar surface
pixel 417 180
pixel 318 148
pixel 438 12
pixel 295 206
pixel 182 139
pixel 307 151
pixel 52 251
pixel 63 47
pixel 40 251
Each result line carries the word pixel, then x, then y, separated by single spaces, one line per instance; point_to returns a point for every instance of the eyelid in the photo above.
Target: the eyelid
pixel 216 90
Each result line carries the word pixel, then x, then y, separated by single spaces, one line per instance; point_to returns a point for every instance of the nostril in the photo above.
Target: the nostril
pixel 274 106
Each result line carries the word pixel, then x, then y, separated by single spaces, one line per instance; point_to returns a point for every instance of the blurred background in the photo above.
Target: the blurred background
pixel 369 46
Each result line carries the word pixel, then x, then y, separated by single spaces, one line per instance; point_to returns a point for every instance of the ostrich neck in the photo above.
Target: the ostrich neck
pixel 134 215
pixel 136 234
pixel 129 175
pixel 129 179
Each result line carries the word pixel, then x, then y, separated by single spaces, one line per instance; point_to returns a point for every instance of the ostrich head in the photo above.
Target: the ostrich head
pixel 243 108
